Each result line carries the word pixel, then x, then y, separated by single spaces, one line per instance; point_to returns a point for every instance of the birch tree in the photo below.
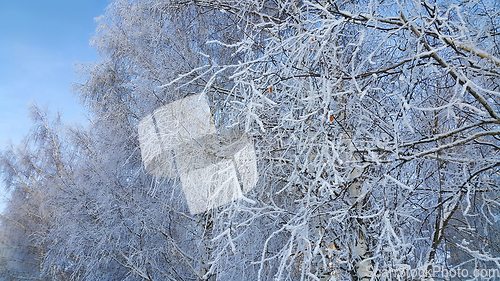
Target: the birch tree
pixel 375 126
pixel 35 172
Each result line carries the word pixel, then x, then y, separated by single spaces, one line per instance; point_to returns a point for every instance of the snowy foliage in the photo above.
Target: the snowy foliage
pixel 376 127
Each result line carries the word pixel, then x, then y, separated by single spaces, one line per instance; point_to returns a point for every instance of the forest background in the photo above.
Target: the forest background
pixel 375 126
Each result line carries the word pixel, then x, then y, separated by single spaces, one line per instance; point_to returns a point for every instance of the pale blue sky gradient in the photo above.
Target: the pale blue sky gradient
pixel 39 43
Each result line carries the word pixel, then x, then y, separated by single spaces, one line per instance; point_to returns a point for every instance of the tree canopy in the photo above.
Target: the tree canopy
pixel 375 125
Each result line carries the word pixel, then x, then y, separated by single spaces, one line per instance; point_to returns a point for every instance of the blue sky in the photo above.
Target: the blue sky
pixel 39 43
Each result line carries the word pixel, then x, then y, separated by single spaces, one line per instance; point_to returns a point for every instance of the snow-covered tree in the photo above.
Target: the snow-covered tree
pixel 377 132
pixel 375 126
pixel 35 172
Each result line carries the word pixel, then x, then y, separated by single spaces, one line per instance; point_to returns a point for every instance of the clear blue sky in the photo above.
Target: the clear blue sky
pixel 39 43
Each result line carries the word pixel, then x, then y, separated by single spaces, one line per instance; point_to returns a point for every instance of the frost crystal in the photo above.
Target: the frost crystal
pixel 208 167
